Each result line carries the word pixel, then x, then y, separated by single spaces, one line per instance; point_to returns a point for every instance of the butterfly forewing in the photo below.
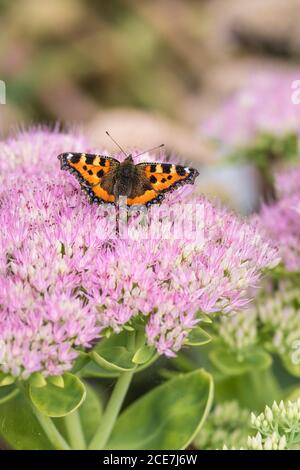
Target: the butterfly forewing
pixel 94 172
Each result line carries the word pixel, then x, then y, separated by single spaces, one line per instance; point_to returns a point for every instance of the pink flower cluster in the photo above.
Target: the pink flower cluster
pixel 263 105
pixel 64 278
pixel 287 181
pixel 281 220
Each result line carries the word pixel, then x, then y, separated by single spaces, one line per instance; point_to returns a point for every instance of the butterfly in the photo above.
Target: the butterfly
pixel 105 178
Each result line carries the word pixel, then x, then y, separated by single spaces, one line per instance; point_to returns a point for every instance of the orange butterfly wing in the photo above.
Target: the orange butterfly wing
pixel 159 179
pixel 94 173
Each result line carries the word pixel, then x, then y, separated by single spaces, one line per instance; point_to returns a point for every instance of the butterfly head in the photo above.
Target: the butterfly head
pixel 129 159
pixel 127 168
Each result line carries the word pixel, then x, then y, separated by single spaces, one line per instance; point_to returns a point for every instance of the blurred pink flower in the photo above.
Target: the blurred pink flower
pixel 287 181
pixel 264 105
pixel 65 278
pixel 281 220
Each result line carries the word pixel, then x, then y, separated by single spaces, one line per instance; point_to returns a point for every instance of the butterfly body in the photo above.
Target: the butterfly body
pixel 124 178
pixel 105 179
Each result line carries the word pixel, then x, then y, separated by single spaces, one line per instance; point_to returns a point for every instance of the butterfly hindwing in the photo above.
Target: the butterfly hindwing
pixel 94 172
pixel 156 179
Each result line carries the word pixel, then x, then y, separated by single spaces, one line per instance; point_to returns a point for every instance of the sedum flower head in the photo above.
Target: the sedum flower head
pixel 263 106
pixel 229 423
pixel 66 278
pixel 281 222
pixel 274 322
pixel 276 428
pixel 239 330
pixel 279 314
pixel 287 181
pixel 273 442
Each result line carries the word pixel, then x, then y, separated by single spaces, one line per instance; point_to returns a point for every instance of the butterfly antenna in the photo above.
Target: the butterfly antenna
pixel 122 150
pixel 150 150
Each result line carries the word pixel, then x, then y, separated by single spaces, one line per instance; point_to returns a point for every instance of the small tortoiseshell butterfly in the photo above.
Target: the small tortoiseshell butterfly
pixel 105 178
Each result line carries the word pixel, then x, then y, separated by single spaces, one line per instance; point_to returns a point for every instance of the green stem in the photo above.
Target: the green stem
pixel 111 412
pixel 74 430
pixel 114 405
pixel 47 425
pixel 50 430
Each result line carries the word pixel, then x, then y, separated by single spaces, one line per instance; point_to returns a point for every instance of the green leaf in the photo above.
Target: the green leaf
pixel 198 337
pixel 150 361
pixel 293 394
pixel 57 380
pixel 293 369
pixel 228 362
pixel 6 379
pixel 266 149
pixel 81 361
pixel 37 380
pixel 253 390
pixel 204 317
pixel 90 413
pixel 19 427
pixel 168 374
pixel 128 328
pixel 113 353
pixel 143 354
pixel 56 401
pixel 117 358
pixel 114 339
pixel 167 417
pixel 7 393
pixel 96 371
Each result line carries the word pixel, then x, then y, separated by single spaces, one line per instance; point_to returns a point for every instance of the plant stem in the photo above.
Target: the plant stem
pixel 114 404
pixel 47 424
pixel 74 430
pixel 111 412
pixel 50 430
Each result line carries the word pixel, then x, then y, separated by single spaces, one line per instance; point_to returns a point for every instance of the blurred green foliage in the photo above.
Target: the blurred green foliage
pixel 98 53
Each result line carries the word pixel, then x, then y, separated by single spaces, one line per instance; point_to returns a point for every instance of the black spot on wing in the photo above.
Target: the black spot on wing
pixel 157 200
pixel 100 173
pixel 89 159
pixel 166 167
pixel 190 179
pixel 67 158
pixel 153 179
pixel 180 170
pixel 76 158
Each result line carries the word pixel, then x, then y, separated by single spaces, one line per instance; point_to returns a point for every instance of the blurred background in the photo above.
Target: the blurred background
pixel 153 71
